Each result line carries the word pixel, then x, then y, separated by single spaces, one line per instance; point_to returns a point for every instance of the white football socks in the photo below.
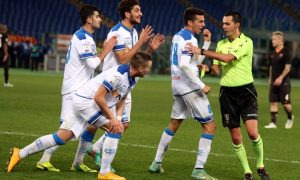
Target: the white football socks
pixel 38 145
pixel 47 154
pixel 163 145
pixel 97 146
pixel 109 150
pixel 84 143
pixel 203 150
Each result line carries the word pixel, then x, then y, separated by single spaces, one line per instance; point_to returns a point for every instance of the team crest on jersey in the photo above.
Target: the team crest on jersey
pixel 87 46
pixel 114 79
pixel 280 55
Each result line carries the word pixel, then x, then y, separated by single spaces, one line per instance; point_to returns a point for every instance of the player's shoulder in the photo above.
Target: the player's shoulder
pixel 82 34
pixel 123 68
pixel 119 27
pixel 185 34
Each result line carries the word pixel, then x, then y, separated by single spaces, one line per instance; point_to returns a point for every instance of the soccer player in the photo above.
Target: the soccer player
pixel 279 80
pixel 238 96
pixel 92 104
pixel 4 56
pixel 189 93
pixel 81 61
pixel 127 45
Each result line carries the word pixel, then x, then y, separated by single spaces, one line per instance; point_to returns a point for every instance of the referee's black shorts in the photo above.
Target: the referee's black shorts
pixel 238 102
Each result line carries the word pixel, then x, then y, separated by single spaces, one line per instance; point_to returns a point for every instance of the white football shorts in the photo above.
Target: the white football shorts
pixel 194 104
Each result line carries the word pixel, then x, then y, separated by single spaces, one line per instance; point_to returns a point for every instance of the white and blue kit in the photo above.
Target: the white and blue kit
pixel 78 70
pixel 126 39
pixel 118 83
pixel 189 100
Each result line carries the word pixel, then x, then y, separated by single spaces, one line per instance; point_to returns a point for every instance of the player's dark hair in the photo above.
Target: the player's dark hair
pixel 236 17
pixel 126 6
pixel 190 14
pixel 140 59
pixel 87 11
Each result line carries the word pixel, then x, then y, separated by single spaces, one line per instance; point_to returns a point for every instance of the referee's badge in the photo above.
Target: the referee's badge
pixel 226 116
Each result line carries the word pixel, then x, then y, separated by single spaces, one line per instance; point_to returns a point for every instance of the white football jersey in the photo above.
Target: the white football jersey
pixel 126 38
pixel 77 72
pixel 116 80
pixel 180 82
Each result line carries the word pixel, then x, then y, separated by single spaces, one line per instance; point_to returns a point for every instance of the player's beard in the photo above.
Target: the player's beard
pixel 133 21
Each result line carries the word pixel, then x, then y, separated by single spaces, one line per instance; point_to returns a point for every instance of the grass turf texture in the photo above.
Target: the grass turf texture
pixel 32 108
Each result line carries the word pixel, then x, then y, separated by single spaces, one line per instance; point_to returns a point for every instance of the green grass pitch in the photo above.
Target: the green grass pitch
pixel 32 109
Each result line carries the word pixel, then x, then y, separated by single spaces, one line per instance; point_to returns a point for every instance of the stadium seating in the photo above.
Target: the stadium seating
pixel 33 17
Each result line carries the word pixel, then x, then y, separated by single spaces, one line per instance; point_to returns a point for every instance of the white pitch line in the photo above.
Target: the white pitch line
pixel 170 149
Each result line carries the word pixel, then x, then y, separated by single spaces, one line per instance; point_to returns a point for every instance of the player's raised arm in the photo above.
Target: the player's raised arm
pixel 124 56
pixel 155 42
pixel 107 47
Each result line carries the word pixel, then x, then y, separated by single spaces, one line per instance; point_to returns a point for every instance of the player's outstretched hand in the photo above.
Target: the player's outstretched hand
pixel 146 34
pixel 110 43
pixel 192 49
pixel 156 41
pixel 206 89
pixel 206 35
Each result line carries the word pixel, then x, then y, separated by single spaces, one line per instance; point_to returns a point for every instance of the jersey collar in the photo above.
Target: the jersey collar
pixel 126 28
pixel 189 31
pixel 91 35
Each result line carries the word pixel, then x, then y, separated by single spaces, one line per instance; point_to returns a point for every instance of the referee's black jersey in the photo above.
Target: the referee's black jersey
pixel 278 60
pixel 3 40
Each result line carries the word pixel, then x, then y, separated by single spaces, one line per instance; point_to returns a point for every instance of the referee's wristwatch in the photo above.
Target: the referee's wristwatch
pixel 202 52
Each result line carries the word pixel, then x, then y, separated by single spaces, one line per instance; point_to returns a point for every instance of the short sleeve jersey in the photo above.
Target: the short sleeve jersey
pixel 116 80
pixel 126 39
pixel 77 72
pixel 180 82
pixel 278 60
pixel 239 71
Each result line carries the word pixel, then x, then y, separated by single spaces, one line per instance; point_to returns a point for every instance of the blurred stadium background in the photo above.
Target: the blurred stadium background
pixel 51 23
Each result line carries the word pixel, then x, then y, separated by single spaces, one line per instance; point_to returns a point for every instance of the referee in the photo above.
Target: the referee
pixel 238 97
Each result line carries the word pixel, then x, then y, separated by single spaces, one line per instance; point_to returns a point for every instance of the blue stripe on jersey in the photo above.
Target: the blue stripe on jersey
pixel 119 47
pixel 86 55
pixel 125 68
pixel 116 27
pixel 185 34
pixel 205 119
pixel 81 34
pixel 132 82
pixel 57 139
pixel 87 136
pixel 169 132
pixel 107 85
pixel 114 135
pixel 207 136
pixel 187 53
pixel 94 117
